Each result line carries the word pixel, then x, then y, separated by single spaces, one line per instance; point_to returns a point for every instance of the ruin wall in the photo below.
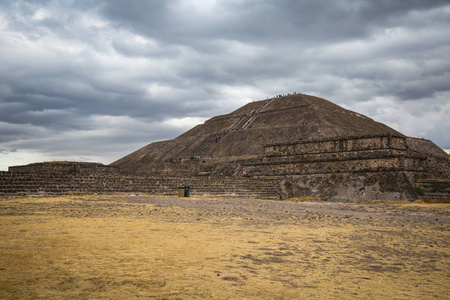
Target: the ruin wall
pixel 60 179
pixel 333 166
pixel 353 144
pixel 63 167
pixel 376 153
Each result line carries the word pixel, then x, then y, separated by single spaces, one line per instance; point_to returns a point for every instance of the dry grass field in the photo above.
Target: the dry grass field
pixel 127 247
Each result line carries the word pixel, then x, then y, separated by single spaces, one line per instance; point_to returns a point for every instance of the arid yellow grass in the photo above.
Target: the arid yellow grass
pixel 117 247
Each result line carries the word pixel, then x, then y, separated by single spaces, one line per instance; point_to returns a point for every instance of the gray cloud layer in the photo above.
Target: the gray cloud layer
pixel 83 80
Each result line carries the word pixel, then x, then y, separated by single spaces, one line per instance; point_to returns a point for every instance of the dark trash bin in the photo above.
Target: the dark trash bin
pixel 183 191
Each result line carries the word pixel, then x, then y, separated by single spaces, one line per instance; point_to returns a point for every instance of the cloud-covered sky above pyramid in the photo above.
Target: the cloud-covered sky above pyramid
pixel 95 80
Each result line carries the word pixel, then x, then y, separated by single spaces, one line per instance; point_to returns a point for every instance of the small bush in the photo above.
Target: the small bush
pixel 419 191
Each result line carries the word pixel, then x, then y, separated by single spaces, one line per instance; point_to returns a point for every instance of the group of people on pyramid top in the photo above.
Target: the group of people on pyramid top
pixel 288 94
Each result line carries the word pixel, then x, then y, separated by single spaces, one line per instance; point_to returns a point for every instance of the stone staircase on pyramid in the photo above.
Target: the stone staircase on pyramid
pixel 434 189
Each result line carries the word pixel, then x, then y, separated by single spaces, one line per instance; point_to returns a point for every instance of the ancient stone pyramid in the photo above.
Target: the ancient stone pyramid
pixel 291 146
pixel 244 132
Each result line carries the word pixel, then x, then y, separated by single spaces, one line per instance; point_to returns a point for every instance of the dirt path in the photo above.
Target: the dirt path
pixel 414 212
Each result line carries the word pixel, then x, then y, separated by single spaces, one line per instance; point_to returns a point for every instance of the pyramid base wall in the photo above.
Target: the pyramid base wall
pixel 380 186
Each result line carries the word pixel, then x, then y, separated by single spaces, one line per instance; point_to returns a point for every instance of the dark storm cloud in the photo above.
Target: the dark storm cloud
pixel 261 21
pixel 80 78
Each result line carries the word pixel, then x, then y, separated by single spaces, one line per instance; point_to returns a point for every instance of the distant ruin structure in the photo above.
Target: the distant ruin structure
pixel 289 146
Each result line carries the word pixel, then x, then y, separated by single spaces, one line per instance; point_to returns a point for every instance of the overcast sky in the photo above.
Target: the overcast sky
pixel 96 80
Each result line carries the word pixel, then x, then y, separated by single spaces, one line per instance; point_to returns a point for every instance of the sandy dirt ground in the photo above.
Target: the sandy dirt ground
pixel 155 247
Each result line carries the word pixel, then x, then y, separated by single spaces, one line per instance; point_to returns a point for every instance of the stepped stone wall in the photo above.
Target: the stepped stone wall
pixel 58 178
pixel 333 166
pixel 337 145
pixel 343 155
pixel 435 189
pixel 63 168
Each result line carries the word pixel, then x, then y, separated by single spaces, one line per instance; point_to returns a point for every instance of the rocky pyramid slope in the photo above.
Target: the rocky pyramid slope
pixel 244 132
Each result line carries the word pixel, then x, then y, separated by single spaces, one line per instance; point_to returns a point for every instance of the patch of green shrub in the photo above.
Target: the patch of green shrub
pixel 419 191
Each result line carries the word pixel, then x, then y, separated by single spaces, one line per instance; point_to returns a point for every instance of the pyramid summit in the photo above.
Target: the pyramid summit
pixel 288 146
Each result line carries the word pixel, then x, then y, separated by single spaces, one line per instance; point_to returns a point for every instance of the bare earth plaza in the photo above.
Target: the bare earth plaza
pixel 164 247
pixel 291 197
